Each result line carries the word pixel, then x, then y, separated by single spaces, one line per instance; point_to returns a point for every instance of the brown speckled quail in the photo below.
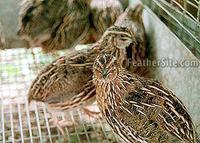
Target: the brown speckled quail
pixel 140 110
pixel 2 38
pixel 67 82
pixel 54 24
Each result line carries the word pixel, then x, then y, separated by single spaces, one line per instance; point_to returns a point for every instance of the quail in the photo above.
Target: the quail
pixel 132 19
pixel 188 7
pixel 66 83
pixel 54 25
pixel 138 109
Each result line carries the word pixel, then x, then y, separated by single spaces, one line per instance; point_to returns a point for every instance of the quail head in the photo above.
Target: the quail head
pixel 54 24
pixel 2 38
pixel 132 19
pixel 140 110
pixel 190 7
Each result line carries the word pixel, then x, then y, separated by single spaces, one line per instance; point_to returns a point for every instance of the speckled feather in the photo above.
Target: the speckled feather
pixel 138 109
pixel 62 24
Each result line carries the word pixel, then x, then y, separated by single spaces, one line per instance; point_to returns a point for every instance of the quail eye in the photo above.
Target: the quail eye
pixel 123 39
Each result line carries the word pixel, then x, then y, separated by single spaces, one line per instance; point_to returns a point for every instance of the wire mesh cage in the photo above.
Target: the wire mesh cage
pixel 182 17
pixel 22 123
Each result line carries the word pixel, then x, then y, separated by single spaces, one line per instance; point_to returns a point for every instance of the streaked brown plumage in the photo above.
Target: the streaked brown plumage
pixel 138 109
pixel 132 19
pixel 64 80
pixel 54 24
pixel 62 84
pixel 2 38
pixel 66 74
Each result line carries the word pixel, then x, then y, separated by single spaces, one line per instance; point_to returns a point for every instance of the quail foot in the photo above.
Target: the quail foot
pixel 53 24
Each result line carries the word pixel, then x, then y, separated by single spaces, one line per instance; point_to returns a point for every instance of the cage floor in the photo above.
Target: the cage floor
pixel 21 123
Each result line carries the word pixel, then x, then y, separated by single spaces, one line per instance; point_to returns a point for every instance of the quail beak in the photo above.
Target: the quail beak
pixel 105 73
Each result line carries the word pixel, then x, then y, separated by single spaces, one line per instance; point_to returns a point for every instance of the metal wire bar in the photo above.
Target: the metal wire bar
pixel 47 123
pixel 59 136
pixel 72 118
pixel 11 123
pixel 184 7
pixel 81 117
pixel 103 128
pixel 38 123
pixel 198 12
pixel 67 132
pixel 192 26
pixel 3 125
pixel 28 120
pixel 20 123
pixel 85 131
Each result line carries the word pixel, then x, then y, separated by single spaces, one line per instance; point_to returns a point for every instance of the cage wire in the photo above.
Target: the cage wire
pixel 22 123
pixel 18 67
pixel 183 19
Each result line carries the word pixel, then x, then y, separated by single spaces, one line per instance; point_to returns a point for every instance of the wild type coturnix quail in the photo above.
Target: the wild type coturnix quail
pixel 138 109
pixel 132 19
pixel 54 24
pixel 2 38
